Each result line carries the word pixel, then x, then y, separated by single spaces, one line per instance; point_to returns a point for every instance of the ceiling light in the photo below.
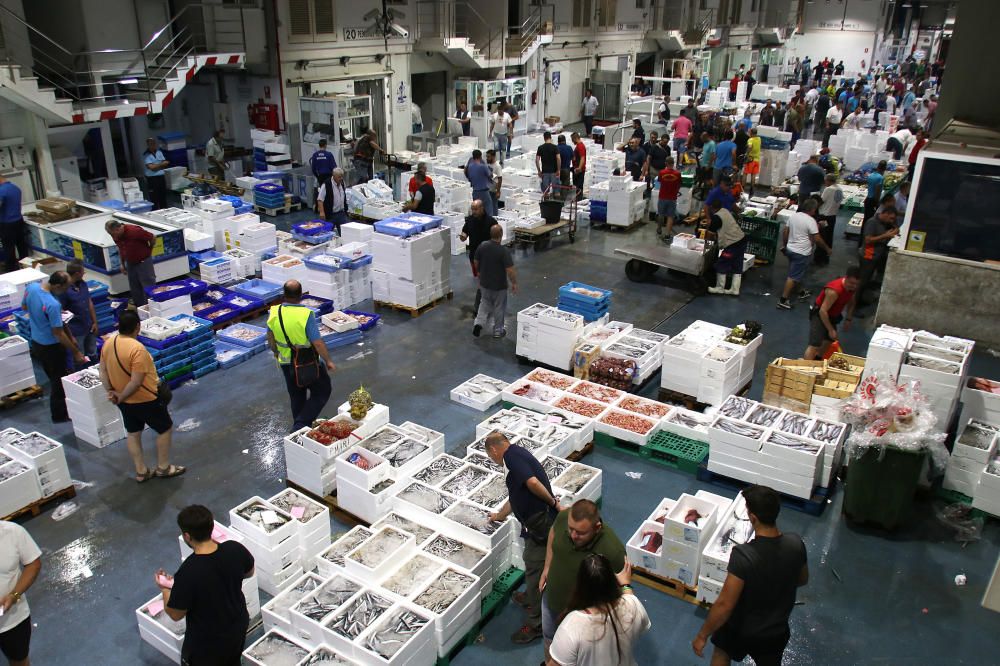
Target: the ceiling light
pixel 128 82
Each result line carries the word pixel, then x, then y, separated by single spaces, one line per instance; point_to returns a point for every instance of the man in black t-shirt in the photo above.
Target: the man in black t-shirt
pixel 207 591
pixel 535 506
pixel 548 162
pixel 495 267
pixel 751 614
pixel 476 230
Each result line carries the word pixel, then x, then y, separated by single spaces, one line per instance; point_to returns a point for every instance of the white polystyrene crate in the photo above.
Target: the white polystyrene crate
pixel 504 419
pixel 377 417
pixel 13 346
pixel 49 462
pixel 19 489
pixel 717 434
pixel 590 490
pixel 482 568
pixel 333 560
pixel 93 418
pixel 268 539
pixel 659 514
pixel 271 560
pixel 638 556
pixel 469 603
pixel 420 648
pixel 378 470
pixel 306 629
pixel 475 537
pixel 675 527
pixel 600 425
pixel 355 562
pixel 401 467
pixel 158 328
pixel 256 654
pixel 479 392
pixel 539 397
pixel 164 634
pixel 367 504
pixel 708 590
pixel 964 446
pixel 820 423
pixel 94 395
pixel 345 643
pixel 432 438
pixel 277 582
pixel 299 505
pixel 328 451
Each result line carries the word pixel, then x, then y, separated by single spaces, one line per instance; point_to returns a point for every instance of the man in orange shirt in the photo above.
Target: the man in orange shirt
pixel 666 204
pixel 129 376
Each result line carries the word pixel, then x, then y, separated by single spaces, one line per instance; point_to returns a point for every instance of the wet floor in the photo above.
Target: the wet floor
pixel 98 562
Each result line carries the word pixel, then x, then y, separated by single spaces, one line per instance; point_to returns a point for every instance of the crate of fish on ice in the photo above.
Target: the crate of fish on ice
pixel 480 392
pixel 272 537
pixel 44 455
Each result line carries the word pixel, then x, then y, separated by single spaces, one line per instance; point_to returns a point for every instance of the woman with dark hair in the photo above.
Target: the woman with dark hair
pixel 603 620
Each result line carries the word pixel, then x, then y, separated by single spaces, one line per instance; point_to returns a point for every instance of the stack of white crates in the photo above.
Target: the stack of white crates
pixel 272 537
pixel 313 518
pixel 20 279
pixel 886 349
pixel 16 370
pixel 95 419
pixel 411 271
pixel 699 362
pixel 548 335
pixel 974 450
pixel 356 232
pixel 733 529
pixel 218 270
pixel 625 202
pixel 171 307
pixel 44 455
pixel 282 268
pixel 941 366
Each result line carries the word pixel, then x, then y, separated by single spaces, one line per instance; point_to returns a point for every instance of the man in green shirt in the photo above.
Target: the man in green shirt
pixel 575 534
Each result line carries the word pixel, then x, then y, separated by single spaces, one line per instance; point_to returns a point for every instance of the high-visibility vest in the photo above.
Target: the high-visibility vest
pixel 295 318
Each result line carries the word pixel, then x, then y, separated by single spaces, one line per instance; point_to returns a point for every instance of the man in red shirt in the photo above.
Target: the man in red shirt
pixel 825 313
pixel 579 164
pixel 921 142
pixel 135 250
pixel 413 185
pixel 666 205
pixel 734 84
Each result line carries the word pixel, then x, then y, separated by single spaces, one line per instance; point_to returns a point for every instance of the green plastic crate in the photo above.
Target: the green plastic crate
pixel 183 370
pixel 760 227
pixel 603 439
pixel 675 451
pixel 763 251
pixel 508 580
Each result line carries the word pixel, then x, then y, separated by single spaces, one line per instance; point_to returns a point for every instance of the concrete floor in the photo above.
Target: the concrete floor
pixel 98 563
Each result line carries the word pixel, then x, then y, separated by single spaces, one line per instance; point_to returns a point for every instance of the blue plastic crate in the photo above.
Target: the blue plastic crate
pixel 264 174
pixel 203 345
pixel 326 266
pixel 259 349
pixel 397 227
pixel 317 304
pixel 312 227
pixel 217 294
pixel 167 368
pixel 205 369
pixel 243 209
pixel 371 324
pixel 228 355
pixel 177 381
pixel 343 339
pixel 315 239
pixel 268 188
pixel 226 335
pixel 357 262
pixel 566 292
pixel 204 358
pixel 98 290
pixel 260 289
pixel 195 327
pixel 139 206
pixel 221 313
pixel 242 301
pixel 114 204
pixel 179 339
pixel 588 315
pixel 168 290
pixel 204 255
pixel 426 222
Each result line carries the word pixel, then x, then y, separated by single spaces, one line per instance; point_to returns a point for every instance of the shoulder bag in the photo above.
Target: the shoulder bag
pixel 163 394
pixel 305 360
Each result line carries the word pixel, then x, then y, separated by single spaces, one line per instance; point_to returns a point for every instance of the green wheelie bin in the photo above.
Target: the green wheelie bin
pixel 880 488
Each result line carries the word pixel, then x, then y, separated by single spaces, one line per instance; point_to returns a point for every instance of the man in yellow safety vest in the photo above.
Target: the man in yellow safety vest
pixel 292 325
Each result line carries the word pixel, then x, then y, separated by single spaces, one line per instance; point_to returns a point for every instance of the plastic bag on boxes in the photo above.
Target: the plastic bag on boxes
pixel 883 413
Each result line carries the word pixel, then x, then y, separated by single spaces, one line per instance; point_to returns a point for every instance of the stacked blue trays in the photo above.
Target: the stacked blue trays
pixel 333 340
pixel 590 307
pixel 167 290
pixel 260 289
pixel 312 227
pixel 269 195
pixel 598 211
pixel 217 294
pixel 317 304
pixel 252 337
pixel 243 208
pixel 231 299
pixel 7 321
pixel 102 306
pixel 114 204
pixel 233 199
pixel 395 226
pixel 21 325
pixel 163 345
pixel 196 328
pixel 426 222
pixel 139 206
pixel 227 355
pixel 373 322
pixel 204 255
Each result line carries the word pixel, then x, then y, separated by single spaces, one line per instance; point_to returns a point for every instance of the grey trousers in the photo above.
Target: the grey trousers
pixel 534 562
pixel 492 308
pixel 140 276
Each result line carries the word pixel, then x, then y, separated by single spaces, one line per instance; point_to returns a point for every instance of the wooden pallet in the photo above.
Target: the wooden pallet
pixel 689 401
pixel 669 586
pixel 274 212
pixel 330 501
pixel 17 397
pixel 35 508
pixel 577 456
pixel 624 229
pixel 415 312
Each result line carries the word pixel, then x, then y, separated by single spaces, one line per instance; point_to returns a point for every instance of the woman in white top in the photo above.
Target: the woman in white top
pixel 603 621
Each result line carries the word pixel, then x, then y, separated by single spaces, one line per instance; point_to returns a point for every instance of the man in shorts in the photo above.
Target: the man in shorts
pixel 828 310
pixel 666 203
pixel 799 241
pixel 130 379
pixel 20 562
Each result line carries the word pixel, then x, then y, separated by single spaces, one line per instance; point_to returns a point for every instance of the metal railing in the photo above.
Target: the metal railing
pixel 443 21
pixel 104 75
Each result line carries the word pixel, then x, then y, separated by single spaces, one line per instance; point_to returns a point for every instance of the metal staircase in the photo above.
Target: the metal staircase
pixel 460 32
pixel 41 75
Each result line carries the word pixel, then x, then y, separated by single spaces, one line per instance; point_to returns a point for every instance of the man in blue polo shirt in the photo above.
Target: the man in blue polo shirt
pixel 322 163
pixel 565 159
pixel 481 178
pixel 76 299
pixel 49 340
pixel 722 194
pixel 535 506
pixel 13 233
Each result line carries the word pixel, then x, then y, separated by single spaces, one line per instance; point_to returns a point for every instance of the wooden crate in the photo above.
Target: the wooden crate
pixel 793 378
pixel 832 388
pixel 853 375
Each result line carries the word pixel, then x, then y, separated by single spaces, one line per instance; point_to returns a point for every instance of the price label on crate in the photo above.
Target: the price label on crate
pixel 158 246
pixel 78 249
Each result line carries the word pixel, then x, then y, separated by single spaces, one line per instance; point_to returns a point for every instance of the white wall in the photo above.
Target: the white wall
pixel 828 34
pixel 565 102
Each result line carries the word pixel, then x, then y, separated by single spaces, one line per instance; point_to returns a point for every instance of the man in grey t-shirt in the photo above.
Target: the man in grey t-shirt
pixel 495 267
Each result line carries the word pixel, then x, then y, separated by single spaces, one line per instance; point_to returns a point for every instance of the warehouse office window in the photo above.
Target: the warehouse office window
pixel 606 13
pixel 582 9
pixel 311 20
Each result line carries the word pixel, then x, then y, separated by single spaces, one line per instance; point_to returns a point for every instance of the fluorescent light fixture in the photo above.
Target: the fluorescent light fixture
pixel 128 82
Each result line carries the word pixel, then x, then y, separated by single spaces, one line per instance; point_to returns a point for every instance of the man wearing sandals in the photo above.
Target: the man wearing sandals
pixel 130 378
